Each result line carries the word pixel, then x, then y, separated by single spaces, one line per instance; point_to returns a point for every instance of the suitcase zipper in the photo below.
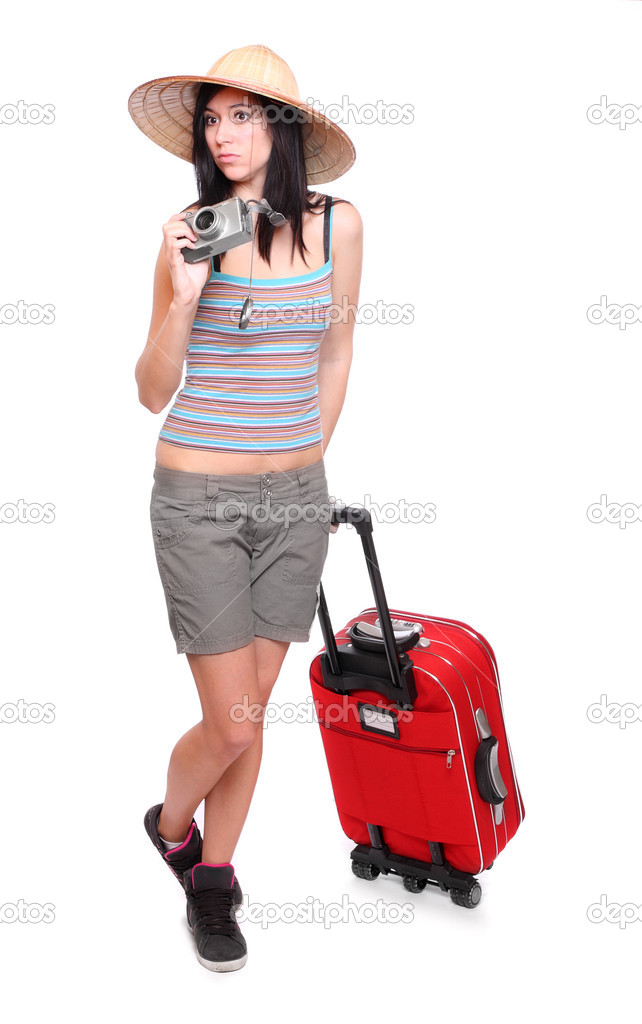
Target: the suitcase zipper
pixel 450 753
pixel 472 635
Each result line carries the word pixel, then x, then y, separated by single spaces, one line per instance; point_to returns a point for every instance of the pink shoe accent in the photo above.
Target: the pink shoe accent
pixel 184 843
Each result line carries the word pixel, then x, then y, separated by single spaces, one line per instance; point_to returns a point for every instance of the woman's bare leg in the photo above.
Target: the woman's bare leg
pixel 228 803
pixel 202 755
pixel 219 759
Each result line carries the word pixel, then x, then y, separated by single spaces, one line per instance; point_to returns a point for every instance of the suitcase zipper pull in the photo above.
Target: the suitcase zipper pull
pixel 449 762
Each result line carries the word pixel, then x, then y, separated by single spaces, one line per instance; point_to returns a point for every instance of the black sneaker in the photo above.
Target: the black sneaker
pixel 210 916
pixel 183 857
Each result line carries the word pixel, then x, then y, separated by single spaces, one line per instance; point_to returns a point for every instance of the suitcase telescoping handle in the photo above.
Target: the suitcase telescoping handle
pixel 398 688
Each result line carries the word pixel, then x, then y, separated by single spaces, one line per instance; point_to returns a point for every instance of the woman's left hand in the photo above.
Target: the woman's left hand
pixel 333 526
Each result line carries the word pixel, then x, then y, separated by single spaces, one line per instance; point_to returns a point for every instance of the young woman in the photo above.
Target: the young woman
pixel 239 461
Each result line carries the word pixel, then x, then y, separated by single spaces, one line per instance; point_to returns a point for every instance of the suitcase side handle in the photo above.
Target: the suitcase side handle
pixel 401 687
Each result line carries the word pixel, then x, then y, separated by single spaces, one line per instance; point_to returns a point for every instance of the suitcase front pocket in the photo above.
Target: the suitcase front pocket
pixel 421 791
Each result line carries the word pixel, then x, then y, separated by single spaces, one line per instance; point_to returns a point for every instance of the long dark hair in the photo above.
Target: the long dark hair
pixel 285 187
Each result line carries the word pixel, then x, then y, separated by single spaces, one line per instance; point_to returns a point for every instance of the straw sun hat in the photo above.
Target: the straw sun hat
pixel 164 108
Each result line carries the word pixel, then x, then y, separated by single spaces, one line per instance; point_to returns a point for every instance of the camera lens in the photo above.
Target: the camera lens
pixel 208 223
pixel 204 220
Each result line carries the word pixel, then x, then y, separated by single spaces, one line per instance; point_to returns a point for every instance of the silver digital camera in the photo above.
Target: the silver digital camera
pixel 218 228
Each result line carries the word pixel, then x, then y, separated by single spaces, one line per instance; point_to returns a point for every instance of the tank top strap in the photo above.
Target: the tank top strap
pixel 327 236
pixel 327 228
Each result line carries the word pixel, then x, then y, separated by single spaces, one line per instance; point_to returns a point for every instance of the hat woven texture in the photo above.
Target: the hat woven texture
pixel 164 108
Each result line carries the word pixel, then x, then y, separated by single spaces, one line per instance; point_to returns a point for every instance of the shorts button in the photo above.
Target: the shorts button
pixel 268 491
pixel 267 478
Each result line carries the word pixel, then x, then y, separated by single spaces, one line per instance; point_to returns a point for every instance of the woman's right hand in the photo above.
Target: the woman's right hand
pixel 188 279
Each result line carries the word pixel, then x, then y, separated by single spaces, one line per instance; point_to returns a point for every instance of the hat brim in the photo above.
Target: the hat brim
pixel 164 110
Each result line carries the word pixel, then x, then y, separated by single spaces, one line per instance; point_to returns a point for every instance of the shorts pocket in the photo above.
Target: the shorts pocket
pixel 321 501
pixel 308 541
pixel 173 518
pixel 194 556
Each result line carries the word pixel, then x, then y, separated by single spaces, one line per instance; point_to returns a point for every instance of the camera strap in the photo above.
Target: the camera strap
pixel 262 206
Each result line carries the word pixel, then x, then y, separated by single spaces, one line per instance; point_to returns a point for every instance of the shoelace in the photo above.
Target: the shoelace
pixel 215 910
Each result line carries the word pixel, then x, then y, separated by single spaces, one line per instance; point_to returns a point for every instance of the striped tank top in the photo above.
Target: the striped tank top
pixel 255 390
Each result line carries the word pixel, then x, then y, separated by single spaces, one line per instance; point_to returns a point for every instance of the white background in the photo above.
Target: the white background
pixel 501 213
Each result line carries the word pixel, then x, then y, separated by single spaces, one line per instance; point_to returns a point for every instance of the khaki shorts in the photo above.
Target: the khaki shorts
pixel 240 555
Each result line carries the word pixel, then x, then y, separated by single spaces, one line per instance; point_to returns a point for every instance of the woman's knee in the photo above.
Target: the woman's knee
pixel 231 733
pixel 227 686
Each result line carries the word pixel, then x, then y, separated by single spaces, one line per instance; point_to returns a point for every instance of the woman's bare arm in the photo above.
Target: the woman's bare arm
pixel 177 289
pixel 335 355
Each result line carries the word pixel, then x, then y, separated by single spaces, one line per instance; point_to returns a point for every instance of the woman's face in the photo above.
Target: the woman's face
pixel 237 135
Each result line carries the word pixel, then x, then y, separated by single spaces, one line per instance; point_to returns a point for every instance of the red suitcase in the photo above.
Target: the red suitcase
pixel 413 730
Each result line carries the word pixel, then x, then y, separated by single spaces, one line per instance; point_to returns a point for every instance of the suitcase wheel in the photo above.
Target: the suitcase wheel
pixel 413 884
pixel 369 871
pixel 467 898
